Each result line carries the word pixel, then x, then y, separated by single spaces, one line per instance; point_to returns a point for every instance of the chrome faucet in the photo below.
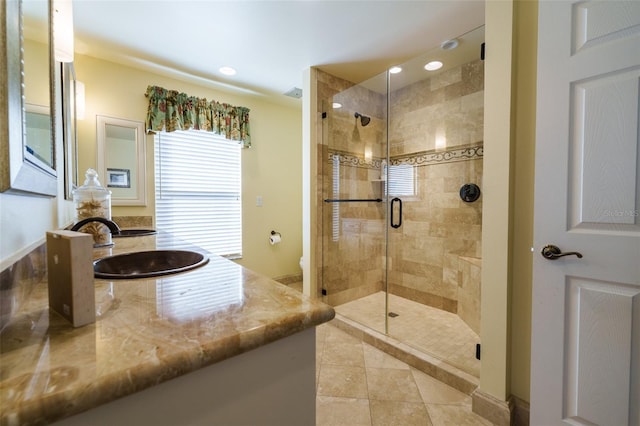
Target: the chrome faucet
pixel 113 227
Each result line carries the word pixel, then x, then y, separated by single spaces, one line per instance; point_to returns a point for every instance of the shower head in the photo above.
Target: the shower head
pixel 364 120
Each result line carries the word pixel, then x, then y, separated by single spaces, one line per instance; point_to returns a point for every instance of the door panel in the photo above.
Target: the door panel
pixel 585 362
pixel 598 22
pixel 604 185
pixel 600 316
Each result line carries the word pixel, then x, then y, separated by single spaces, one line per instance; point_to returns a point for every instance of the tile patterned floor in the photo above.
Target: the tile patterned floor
pixel 358 384
pixel 436 332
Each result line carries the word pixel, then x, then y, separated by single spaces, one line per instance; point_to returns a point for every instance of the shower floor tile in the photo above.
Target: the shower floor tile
pixel 433 331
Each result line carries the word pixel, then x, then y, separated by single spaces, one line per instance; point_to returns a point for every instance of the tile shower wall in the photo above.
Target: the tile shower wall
pixel 437 229
pixel 327 86
pixel 435 126
pixel 353 233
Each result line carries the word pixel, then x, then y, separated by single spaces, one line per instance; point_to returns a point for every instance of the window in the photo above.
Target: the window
pixel 402 180
pixel 198 184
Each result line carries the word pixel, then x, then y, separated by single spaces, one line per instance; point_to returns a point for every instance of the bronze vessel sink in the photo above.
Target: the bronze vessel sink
pixel 145 264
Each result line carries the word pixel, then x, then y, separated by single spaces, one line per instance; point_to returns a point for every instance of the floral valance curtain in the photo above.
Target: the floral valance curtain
pixel 170 110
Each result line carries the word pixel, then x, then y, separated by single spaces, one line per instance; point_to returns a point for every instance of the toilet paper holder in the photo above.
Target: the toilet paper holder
pixel 275 238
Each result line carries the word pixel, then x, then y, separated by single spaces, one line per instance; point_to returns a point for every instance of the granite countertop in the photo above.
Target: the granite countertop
pixel 147 331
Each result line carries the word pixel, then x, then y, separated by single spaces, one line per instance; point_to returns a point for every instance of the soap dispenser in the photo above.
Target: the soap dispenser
pixel 93 200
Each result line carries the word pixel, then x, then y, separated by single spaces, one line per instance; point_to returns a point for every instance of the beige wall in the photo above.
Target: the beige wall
pixel 271 168
pixel 526 31
pixel 496 231
pixel 508 205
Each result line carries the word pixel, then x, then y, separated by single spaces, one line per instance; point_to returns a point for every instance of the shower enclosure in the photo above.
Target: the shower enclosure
pixel 401 201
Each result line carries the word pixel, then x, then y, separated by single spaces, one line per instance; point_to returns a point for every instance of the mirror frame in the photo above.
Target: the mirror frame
pixel 18 174
pixel 140 198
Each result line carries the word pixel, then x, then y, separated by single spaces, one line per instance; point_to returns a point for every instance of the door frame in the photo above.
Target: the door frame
pixel 511 31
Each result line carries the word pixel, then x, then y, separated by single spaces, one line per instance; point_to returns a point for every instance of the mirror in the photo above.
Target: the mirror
pixel 38 136
pixel 121 160
pixel 29 166
pixel 69 128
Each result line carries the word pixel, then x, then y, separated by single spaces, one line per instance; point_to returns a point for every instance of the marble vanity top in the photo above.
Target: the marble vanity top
pixel 147 331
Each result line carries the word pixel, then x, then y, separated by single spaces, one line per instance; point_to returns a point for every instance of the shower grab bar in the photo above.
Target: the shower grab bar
pixel 354 200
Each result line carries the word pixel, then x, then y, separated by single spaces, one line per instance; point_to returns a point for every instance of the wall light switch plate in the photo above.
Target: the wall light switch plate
pixel 259 201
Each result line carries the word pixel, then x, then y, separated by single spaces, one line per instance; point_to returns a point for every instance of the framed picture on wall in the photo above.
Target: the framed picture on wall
pixel 118 178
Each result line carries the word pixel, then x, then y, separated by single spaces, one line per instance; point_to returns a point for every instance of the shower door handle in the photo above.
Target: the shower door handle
pixel 393 224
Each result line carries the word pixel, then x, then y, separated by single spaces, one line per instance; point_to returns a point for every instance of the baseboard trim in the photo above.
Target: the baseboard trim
pixel 521 412
pixel 288 279
pixel 491 408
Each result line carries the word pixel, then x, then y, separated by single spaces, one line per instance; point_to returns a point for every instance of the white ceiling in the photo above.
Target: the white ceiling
pixel 269 43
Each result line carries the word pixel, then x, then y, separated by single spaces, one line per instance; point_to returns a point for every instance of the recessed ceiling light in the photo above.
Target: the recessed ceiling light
pixel 433 65
pixel 395 70
pixel 449 44
pixel 336 105
pixel 227 71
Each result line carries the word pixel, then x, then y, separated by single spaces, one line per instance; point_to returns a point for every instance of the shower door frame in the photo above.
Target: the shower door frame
pixel 328 197
pixel 388 213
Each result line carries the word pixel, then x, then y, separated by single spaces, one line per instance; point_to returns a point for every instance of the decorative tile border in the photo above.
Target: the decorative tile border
pixel 425 158
pixel 422 158
pixel 353 160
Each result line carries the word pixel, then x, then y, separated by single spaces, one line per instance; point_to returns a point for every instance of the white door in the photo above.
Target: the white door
pixel 585 366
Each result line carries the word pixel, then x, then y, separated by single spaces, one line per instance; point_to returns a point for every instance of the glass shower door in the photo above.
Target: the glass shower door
pixel 354 207
pixel 401 241
pixel 435 134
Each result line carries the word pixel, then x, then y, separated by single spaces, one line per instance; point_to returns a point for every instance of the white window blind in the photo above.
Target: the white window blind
pixel 335 214
pixel 198 184
pixel 402 180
